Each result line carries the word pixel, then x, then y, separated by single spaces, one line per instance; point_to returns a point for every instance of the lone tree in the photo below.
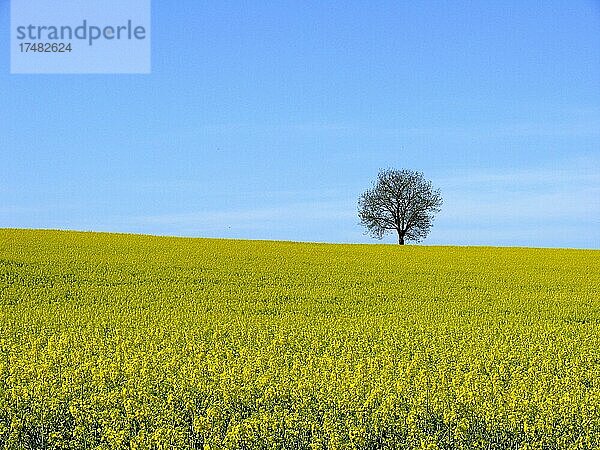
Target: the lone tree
pixel 401 201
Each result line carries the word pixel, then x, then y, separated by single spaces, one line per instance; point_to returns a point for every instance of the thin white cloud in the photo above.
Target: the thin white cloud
pixel 308 211
pixel 502 206
pixel 567 190
pixel 578 123
pixel 584 171
pixel 584 125
pixel 541 206
pixel 522 178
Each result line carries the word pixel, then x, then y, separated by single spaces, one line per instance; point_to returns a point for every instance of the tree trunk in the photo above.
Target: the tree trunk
pixel 400 238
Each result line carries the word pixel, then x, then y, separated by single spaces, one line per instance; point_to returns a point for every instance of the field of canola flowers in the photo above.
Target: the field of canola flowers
pixel 122 341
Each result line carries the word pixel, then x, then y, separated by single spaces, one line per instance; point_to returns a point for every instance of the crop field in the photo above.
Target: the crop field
pixel 122 341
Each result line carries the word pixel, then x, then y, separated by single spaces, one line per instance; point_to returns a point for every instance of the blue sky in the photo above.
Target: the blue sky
pixel 266 121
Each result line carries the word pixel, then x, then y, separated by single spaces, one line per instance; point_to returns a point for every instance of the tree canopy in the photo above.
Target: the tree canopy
pixel 402 201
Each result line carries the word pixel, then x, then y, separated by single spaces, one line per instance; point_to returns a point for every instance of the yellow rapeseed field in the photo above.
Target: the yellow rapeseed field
pixel 122 341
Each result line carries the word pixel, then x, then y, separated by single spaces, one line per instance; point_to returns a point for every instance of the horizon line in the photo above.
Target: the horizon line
pixel 286 241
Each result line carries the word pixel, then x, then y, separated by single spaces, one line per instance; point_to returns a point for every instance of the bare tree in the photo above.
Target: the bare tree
pixel 401 201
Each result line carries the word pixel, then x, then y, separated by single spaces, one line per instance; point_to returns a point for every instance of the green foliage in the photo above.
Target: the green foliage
pixel 117 341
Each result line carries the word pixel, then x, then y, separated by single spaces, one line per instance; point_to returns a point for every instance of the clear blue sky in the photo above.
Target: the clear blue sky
pixel 268 119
